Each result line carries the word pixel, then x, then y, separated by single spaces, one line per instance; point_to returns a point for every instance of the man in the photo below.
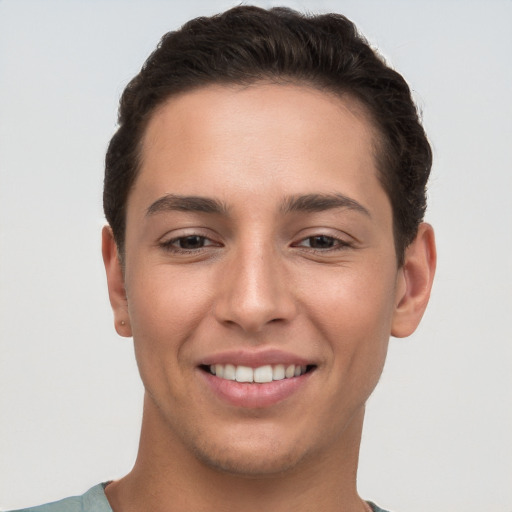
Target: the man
pixel 265 193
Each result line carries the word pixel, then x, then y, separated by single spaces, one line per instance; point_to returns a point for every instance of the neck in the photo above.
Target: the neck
pixel 167 477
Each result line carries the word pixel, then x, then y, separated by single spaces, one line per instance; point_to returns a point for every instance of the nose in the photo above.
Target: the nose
pixel 256 290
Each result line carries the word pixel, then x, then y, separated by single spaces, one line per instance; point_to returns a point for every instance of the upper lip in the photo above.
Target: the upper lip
pixel 255 358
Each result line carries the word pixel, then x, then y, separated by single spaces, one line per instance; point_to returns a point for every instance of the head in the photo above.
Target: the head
pixel 247 45
pixel 267 176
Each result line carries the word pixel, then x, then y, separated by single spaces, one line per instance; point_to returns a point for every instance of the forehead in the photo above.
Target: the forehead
pixel 287 104
pixel 293 139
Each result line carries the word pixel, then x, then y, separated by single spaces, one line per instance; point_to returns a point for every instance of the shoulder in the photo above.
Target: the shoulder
pixel 94 500
pixel 375 508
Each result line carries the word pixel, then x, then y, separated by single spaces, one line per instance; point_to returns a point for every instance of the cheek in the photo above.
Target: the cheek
pixel 165 309
pixel 165 298
pixel 353 297
pixel 354 310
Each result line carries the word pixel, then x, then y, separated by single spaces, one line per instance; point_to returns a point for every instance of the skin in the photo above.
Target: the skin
pixel 321 285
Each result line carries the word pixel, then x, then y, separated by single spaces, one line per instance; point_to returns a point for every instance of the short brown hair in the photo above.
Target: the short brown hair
pixel 248 44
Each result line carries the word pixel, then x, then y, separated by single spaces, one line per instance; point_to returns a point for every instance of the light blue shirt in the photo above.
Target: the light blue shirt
pixel 94 500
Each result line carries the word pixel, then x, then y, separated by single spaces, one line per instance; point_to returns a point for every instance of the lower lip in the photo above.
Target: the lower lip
pixel 254 395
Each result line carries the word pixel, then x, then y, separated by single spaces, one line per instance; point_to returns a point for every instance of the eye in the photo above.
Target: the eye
pixel 189 243
pixel 320 242
pixel 323 242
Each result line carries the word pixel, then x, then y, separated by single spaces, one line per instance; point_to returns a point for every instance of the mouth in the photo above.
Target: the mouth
pixel 260 375
pixel 256 379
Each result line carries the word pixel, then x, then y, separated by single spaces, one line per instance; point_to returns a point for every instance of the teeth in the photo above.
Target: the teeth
pixel 261 374
pixel 229 372
pixel 278 372
pixel 244 374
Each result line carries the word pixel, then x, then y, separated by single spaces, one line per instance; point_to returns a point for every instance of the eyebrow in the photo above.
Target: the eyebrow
pixel 300 203
pixel 173 202
pixel 321 202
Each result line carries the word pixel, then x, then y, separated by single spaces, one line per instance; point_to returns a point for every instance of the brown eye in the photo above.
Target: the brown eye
pixel 190 242
pixel 321 242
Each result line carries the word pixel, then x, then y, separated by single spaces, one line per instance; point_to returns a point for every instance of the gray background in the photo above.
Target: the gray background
pixel 438 432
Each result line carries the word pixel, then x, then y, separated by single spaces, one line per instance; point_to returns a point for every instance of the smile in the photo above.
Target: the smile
pixel 259 380
pixel 261 374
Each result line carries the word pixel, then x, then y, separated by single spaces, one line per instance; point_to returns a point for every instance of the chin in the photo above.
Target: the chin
pixel 250 460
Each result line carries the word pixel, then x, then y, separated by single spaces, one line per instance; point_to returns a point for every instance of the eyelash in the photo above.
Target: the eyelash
pixel 338 243
pixel 169 245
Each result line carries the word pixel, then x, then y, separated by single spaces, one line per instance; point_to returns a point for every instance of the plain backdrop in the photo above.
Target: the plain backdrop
pixel 438 433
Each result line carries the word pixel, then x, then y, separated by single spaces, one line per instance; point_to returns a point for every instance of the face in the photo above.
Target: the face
pixel 261 277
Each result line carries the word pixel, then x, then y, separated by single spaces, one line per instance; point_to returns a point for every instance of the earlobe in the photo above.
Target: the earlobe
pixel 416 277
pixel 115 282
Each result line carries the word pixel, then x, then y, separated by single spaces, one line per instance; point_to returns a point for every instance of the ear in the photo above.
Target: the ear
pixel 115 282
pixel 414 282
